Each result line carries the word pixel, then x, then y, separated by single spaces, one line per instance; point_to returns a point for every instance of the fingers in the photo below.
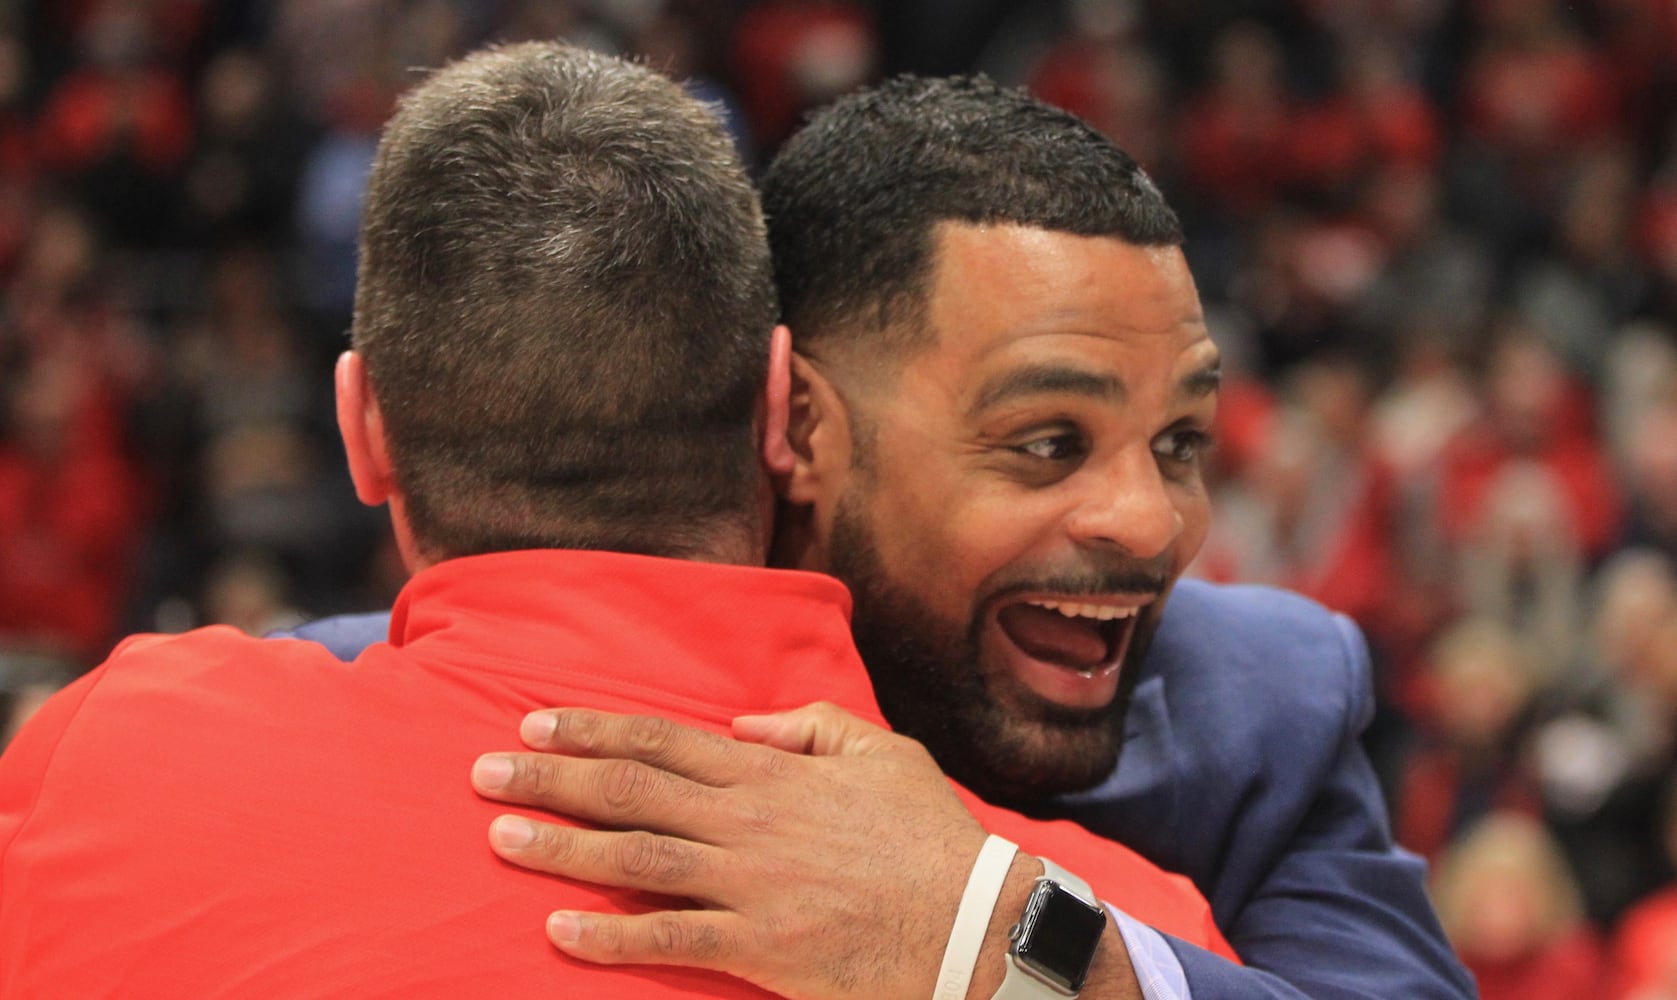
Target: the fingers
pixel 630 860
pixel 692 753
pixel 617 793
pixel 701 939
pixel 822 729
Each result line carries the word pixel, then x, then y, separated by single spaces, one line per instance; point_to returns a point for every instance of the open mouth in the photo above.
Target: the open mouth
pixel 1069 649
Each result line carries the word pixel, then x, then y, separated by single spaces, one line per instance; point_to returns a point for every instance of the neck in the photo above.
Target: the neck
pixel 745 547
pixel 794 545
pixel 741 541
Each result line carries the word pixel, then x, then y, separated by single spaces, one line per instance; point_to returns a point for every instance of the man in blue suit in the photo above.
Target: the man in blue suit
pixel 1002 397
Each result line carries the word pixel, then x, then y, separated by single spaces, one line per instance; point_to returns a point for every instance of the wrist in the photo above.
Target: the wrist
pixel 1111 976
pixel 992 958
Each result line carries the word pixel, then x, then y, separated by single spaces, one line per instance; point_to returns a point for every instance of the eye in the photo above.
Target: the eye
pixel 1054 447
pixel 1183 445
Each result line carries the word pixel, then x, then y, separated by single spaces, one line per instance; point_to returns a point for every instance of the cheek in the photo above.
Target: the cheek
pixel 945 545
pixel 1193 505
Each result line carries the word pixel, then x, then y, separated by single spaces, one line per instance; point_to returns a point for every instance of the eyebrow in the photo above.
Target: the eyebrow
pixel 1037 380
pixel 1047 379
pixel 1202 382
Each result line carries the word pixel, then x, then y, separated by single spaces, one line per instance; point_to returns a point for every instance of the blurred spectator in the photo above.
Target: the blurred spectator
pixel 1638 379
pixel 1529 479
pixel 1312 510
pixel 1377 119
pixel 119 125
pixel 1639 37
pixel 1651 477
pixel 240 180
pixel 1428 403
pixel 1608 752
pixel 1640 403
pixel 329 200
pixel 1533 86
pixel 71 501
pixel 1592 281
pixel 1532 96
pixel 1300 275
pixel 1656 234
pixel 19 150
pixel 790 56
pixel 249 592
pixel 1234 132
pixel 1645 941
pixel 69 513
pixel 1510 906
pixel 1469 760
pixel 1434 279
pixel 1098 70
pixel 259 422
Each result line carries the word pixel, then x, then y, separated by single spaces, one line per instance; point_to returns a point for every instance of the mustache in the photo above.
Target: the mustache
pixel 1127 577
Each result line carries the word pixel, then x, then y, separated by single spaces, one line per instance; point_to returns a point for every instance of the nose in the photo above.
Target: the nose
pixel 1127 504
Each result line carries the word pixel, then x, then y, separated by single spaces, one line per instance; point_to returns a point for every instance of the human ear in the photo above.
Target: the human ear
pixel 362 428
pixel 817 434
pixel 777 454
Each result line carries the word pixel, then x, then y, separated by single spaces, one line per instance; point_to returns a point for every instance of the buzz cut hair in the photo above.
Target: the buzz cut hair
pixel 564 304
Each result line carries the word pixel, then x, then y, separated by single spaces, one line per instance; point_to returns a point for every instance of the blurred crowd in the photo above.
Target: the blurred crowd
pixel 1436 239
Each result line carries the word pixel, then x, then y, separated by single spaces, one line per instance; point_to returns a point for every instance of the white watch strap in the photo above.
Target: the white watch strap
pixel 972 919
pixel 1067 879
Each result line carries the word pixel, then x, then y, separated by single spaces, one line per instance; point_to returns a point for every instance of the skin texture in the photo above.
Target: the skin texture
pixel 1046 445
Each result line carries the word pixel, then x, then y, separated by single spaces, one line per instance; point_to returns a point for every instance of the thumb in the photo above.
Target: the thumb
pixel 822 729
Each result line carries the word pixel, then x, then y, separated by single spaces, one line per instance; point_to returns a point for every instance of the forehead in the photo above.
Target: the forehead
pixel 999 293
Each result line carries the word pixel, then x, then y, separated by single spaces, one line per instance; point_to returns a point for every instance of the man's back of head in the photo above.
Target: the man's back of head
pixel 564 309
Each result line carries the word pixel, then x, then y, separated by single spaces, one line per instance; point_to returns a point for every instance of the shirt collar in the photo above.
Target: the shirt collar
pixel 735 638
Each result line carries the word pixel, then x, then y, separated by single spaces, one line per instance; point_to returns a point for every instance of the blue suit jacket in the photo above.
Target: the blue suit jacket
pixel 1242 769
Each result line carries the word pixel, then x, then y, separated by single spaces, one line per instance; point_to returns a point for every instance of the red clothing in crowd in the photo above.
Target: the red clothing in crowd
pixel 1238 153
pixel 1473 463
pixel 1537 94
pixel 92 115
pixel 1439 795
pixel 214 815
pixel 1645 948
pixel 1567 969
pixel 1338 140
pixel 69 521
pixel 782 53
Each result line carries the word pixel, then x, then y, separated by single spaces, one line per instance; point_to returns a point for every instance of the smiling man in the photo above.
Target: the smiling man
pixel 1011 506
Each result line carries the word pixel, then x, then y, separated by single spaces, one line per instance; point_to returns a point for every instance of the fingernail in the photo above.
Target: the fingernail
pixel 538 727
pixel 512 831
pixel 564 928
pixel 492 771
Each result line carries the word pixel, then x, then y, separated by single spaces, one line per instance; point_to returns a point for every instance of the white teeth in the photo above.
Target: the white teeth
pixel 1073 609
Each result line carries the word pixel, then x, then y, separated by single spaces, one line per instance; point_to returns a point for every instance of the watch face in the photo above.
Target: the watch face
pixel 1058 935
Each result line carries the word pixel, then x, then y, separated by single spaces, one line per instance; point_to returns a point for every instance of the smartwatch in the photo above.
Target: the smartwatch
pixel 1053 945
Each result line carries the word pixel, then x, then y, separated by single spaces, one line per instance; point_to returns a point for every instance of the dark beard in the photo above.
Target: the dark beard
pixel 930 684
